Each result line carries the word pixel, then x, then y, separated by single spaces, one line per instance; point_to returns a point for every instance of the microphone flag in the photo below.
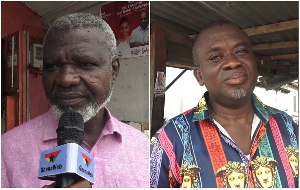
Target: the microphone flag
pixel 67 158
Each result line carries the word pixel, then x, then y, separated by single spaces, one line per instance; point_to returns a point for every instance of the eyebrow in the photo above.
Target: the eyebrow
pixel 213 49
pixel 217 48
pixel 243 43
pixel 83 58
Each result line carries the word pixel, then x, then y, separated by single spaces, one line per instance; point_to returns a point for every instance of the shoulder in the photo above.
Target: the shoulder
pixel 283 120
pixel 130 133
pixel 28 130
pixel 278 113
pixel 136 30
pixel 182 120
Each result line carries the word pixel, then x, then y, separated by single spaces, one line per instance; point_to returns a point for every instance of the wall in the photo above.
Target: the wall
pixel 130 99
pixel 14 16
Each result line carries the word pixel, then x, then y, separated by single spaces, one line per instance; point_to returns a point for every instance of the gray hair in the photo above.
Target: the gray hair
pixel 83 21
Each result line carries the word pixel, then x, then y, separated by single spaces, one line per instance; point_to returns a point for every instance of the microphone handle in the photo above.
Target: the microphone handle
pixel 66 179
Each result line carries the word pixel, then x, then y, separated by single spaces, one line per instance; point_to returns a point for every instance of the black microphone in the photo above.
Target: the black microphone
pixel 67 163
pixel 70 130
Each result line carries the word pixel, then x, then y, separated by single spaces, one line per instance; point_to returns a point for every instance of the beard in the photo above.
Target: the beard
pixel 89 111
pixel 239 93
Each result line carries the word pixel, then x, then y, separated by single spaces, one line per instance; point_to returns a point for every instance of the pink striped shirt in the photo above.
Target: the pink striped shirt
pixel 121 154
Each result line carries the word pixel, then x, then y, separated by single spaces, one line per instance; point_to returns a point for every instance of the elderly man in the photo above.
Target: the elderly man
pixel 80 67
pixel 230 124
pixel 140 35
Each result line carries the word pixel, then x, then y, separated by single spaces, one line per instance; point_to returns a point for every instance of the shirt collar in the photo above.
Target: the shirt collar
pixel 112 126
pixel 202 112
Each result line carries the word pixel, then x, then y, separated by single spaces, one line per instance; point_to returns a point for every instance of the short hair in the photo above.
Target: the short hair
pixel 123 19
pixel 211 25
pixel 84 21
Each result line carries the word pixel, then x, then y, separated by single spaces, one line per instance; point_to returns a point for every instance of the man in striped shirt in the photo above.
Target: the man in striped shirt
pixel 230 139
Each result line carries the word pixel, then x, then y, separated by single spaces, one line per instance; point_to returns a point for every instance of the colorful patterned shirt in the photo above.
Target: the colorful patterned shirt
pixel 191 151
pixel 121 154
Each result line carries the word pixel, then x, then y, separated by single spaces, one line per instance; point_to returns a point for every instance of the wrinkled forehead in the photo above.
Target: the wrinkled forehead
pixel 87 35
pixel 74 35
pixel 221 32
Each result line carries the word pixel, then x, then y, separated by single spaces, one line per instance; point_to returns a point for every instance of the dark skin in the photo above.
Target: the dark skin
pixel 227 65
pixel 78 70
pixel 80 184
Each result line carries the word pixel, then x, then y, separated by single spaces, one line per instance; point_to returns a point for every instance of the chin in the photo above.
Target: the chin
pixel 90 111
pixel 238 94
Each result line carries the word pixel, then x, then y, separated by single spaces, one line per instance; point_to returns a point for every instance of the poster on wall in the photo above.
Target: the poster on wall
pixel 160 87
pixel 129 21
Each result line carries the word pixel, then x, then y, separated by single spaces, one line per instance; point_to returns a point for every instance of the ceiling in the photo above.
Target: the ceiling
pixel 272 26
pixel 50 10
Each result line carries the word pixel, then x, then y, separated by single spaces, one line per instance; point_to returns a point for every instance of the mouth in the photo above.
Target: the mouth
pixel 236 78
pixel 68 99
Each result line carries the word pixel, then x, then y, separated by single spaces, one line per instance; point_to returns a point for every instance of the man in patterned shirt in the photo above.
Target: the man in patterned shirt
pixel 229 127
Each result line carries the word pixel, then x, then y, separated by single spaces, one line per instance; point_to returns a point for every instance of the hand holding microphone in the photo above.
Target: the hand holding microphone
pixel 68 164
pixel 81 184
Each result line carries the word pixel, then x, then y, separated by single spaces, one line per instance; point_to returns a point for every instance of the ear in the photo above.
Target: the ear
pixel 115 70
pixel 198 76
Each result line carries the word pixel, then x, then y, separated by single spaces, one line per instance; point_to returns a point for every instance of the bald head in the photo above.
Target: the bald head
pixel 217 26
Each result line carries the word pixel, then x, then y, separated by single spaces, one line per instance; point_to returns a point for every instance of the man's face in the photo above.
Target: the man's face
pixel 227 65
pixel 144 20
pixel 77 72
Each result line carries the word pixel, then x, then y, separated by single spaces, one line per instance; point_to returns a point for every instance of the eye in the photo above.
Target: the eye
pixel 242 51
pixel 86 65
pixel 215 57
pixel 51 66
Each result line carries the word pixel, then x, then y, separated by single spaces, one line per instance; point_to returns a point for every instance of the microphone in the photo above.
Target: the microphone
pixel 70 130
pixel 68 162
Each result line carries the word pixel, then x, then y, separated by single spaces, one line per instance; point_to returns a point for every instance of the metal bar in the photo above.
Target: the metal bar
pixel 180 74
pixel 27 70
pixel 12 61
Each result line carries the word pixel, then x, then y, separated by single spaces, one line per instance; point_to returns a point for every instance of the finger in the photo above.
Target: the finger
pixel 49 186
pixel 81 184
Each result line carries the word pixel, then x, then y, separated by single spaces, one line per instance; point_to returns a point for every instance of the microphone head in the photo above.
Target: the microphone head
pixel 70 128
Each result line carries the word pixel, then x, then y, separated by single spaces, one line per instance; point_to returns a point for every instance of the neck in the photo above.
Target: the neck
pixel 236 119
pixel 237 110
pixel 93 127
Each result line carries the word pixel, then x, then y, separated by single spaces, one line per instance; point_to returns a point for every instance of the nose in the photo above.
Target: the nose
pixel 68 76
pixel 231 62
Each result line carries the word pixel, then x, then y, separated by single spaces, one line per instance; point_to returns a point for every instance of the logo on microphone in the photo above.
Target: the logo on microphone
pixel 52 156
pixel 86 159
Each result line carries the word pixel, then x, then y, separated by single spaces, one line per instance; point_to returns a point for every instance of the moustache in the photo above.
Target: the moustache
pixel 71 89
